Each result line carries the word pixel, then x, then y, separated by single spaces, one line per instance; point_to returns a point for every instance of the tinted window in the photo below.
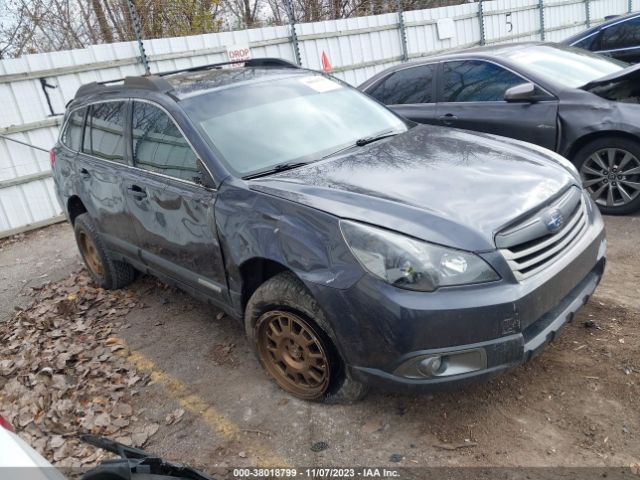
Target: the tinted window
pixel 72 135
pixel 476 81
pixel 622 35
pixel 588 43
pixel 411 85
pixel 158 145
pixel 104 132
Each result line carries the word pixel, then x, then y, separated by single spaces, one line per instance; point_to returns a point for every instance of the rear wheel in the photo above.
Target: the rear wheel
pixel 610 171
pixel 288 332
pixel 104 270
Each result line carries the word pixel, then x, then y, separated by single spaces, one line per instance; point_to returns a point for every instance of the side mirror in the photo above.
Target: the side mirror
pixel 525 92
pixel 206 180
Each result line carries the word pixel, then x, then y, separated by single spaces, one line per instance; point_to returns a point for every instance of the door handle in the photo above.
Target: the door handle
pixel 448 118
pixel 85 173
pixel 137 192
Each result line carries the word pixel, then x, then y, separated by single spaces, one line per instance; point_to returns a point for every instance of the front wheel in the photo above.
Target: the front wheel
pixel 610 171
pixel 288 332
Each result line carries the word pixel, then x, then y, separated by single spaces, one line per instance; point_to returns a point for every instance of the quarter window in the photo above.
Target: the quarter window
pixel 158 145
pixel 622 35
pixel 104 132
pixel 72 135
pixel 411 85
pixel 476 81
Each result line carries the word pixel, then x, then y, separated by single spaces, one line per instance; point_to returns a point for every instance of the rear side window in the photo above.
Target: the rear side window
pixel 158 145
pixel 411 85
pixel 476 81
pixel 104 131
pixel 72 135
pixel 622 35
pixel 588 43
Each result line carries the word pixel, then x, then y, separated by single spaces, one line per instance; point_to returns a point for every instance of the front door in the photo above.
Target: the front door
pixel 472 97
pixel 173 213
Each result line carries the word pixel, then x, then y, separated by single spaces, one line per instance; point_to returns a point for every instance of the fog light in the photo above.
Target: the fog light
pixel 430 366
pixel 444 364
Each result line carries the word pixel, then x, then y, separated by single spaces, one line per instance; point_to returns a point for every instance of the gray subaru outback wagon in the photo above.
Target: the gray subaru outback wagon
pixel 357 247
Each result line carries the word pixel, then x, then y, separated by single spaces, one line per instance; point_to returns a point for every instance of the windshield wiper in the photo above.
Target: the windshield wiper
pixel 364 141
pixel 374 138
pixel 281 167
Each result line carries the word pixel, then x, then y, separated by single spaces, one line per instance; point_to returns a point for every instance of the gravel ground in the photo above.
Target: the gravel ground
pixel 578 404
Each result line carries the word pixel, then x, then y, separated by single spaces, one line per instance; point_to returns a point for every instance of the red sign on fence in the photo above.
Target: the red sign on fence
pixel 326 66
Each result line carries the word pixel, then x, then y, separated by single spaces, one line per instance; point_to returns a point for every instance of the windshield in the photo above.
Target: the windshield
pixel 567 66
pixel 296 119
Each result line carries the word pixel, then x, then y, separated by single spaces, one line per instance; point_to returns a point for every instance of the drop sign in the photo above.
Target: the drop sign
pixel 238 53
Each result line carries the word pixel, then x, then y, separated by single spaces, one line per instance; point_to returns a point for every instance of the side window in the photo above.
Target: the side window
pixel 411 85
pixel 158 145
pixel 104 131
pixel 588 43
pixel 72 135
pixel 476 81
pixel 622 35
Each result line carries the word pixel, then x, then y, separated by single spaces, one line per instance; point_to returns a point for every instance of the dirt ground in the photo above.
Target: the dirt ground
pixel 578 404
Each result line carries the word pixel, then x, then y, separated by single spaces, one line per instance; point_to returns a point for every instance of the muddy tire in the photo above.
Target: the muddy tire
pixel 289 334
pixel 105 271
pixel 610 171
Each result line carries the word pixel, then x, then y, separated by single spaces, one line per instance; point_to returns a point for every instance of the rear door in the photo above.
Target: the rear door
pixel 410 92
pixel 100 169
pixel 471 96
pixel 173 213
pixel 622 40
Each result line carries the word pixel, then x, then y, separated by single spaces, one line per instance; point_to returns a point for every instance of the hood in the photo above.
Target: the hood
pixel 447 186
pixel 621 86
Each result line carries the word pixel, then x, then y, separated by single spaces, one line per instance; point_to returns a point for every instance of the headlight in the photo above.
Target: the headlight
pixel 413 264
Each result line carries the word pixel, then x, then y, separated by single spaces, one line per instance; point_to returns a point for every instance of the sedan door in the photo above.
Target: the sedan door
pixel 409 92
pixel 173 212
pixel 471 95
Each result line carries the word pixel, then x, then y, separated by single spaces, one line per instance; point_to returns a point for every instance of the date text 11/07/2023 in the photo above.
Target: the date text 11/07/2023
pixel 310 473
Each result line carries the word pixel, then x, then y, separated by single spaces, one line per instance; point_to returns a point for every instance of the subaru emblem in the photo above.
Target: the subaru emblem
pixel 554 220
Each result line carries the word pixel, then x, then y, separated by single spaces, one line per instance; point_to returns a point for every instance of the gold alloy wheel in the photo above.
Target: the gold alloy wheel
pixel 90 254
pixel 293 354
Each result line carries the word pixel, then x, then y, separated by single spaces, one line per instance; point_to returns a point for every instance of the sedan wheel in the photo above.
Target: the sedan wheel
pixel 612 176
pixel 293 354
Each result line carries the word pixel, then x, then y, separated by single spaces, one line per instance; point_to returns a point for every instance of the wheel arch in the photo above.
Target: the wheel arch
pixel 590 137
pixel 254 272
pixel 75 207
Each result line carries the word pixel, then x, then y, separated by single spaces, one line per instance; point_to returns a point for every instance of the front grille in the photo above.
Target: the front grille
pixel 530 256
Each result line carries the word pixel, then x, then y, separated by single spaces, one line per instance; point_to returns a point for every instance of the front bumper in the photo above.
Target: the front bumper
pixel 501 353
pixel 379 328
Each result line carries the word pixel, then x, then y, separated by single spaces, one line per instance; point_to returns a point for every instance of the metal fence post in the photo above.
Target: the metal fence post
pixel 135 22
pixel 630 6
pixel 481 20
pixel 403 31
pixel 541 8
pixel 587 12
pixel 293 36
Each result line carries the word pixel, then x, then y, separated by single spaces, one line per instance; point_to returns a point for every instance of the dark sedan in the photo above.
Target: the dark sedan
pixel 579 104
pixel 618 38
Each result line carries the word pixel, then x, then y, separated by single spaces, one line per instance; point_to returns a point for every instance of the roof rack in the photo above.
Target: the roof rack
pixel 158 84
pixel 253 62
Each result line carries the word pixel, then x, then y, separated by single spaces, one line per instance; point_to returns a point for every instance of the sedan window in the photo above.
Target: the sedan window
pixel 407 86
pixel 476 81
pixel 564 66
pixel 158 145
pixel 623 35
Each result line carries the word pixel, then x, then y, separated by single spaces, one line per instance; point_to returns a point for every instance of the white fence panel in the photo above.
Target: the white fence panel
pixel 357 48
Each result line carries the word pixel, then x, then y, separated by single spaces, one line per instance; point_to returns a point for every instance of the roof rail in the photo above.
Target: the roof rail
pixel 253 62
pixel 151 82
pixel 158 84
